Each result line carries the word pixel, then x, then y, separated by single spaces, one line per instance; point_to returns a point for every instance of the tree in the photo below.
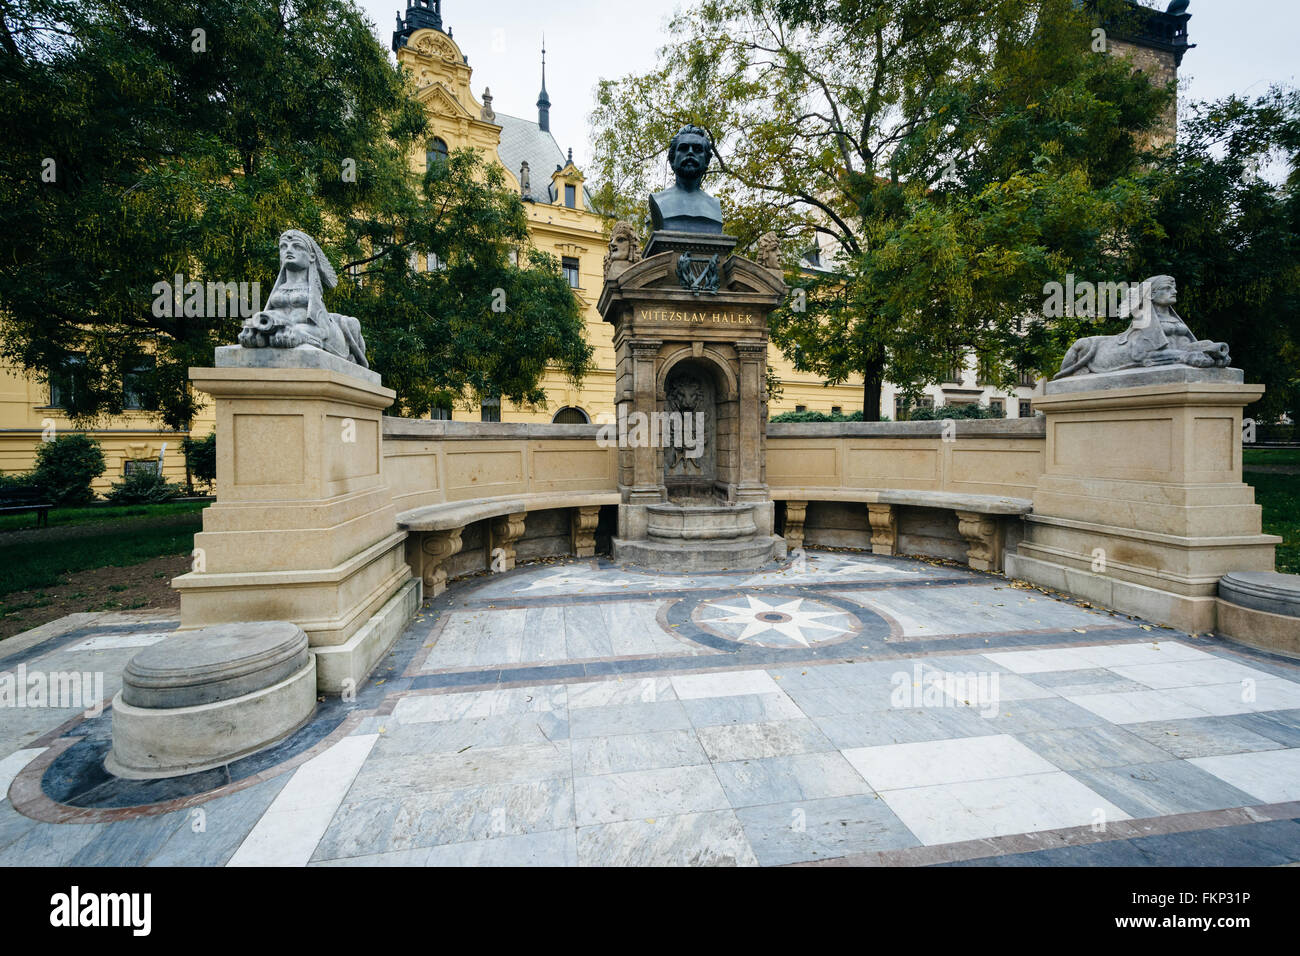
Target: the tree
pixel 1228 203
pixel 954 155
pixel 152 138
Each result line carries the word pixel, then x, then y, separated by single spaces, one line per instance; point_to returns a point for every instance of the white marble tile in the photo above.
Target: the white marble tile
pixel 1036 662
pixel 713 838
pixel 1272 776
pixel 949 813
pixel 1146 652
pixel 1189 673
pixel 109 642
pixel 298 817
pixel 422 708
pixel 620 690
pixel 642 794
pixel 725 684
pixel 923 764
pixel 12 765
pixel 1140 706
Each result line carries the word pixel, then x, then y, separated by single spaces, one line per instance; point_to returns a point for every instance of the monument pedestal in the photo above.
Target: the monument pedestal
pixel 304 528
pixel 1141 507
pixel 690 341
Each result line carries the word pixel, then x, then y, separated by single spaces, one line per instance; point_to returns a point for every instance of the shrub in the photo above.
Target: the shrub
pixel 201 458
pixel 821 417
pixel 65 468
pixel 23 482
pixel 143 486
pixel 954 412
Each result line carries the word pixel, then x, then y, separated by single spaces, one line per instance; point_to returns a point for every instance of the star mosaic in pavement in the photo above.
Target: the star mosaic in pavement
pixel 776 622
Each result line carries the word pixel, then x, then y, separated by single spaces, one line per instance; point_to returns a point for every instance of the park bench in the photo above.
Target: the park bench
pixel 19 500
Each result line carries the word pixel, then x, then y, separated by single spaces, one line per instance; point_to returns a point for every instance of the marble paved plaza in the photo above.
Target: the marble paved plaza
pixel 843 709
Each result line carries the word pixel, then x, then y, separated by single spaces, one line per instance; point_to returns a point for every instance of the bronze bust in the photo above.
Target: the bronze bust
pixel 684 207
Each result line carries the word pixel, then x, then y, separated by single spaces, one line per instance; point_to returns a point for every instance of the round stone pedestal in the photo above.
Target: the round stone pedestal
pixel 1261 608
pixel 204 698
pixel 671 522
pixel 702 537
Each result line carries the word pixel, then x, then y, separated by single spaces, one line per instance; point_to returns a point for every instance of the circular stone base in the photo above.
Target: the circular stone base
pixel 169 742
pixel 214 664
pixel 1263 591
pixel 688 556
pixel 677 523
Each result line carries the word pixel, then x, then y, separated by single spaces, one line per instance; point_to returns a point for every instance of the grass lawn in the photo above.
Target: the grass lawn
pixel 1270 456
pixel 1280 497
pixel 101 514
pixel 93 559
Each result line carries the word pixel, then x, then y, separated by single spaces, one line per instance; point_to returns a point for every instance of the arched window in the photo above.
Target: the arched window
pixel 570 415
pixel 437 152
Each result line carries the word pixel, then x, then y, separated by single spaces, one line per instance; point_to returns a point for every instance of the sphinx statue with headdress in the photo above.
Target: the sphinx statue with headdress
pixel 1156 336
pixel 295 313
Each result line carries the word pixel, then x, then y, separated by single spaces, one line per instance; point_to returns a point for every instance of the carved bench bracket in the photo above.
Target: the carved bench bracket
pixel 427 553
pixel 506 530
pixel 583 523
pixel 884 529
pixel 983 534
pixel 795 512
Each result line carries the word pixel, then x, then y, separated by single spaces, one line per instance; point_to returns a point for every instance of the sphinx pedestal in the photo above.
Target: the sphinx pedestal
pixel 1141 507
pixel 690 341
pixel 304 527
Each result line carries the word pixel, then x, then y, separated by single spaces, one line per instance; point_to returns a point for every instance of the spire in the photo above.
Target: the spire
pixel 544 101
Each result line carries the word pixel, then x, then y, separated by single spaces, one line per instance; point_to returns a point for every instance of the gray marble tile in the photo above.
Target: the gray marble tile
pixel 639 794
pixel 131 842
pixel 1107 745
pixel 741 709
pixel 627 719
pixel 877 728
pixel 416 857
pixel 50 844
pixel 543 848
pixel 393 777
pixel 620 690
pixel 12 823
pixel 779 738
pixel 796 832
pixel 623 752
pixel 787 779
pixel 825 701
pixel 1160 789
pixel 1027 716
pixel 1280 725
pixel 455 736
pixel 384 825
pixel 585 633
pixel 1203 736
pixel 212 837
pixel 543 635
pixel 1094 680
pixel 691 839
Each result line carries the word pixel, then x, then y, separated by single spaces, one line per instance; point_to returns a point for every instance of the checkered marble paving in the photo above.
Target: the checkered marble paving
pixel 845 708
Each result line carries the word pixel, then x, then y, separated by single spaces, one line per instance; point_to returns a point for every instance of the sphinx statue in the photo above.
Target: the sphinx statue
pixel 684 206
pixel 769 251
pixel 1155 336
pixel 295 313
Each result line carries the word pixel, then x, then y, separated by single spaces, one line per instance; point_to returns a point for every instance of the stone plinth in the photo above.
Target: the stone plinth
pixel 690 348
pixel 304 527
pixel 1141 506
pixel 204 698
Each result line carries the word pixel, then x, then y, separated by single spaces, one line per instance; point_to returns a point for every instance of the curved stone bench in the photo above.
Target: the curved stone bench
pixel 982 520
pixel 434 531
pixel 1261 608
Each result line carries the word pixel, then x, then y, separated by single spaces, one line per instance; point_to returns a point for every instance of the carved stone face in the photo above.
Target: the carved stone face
pixel 1164 291
pixel 685 394
pixel 294 252
pixel 619 247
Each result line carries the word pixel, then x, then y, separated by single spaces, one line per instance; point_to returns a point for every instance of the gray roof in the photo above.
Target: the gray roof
pixel 524 141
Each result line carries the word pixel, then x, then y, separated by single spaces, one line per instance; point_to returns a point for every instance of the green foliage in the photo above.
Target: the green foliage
pixel 942 412
pixel 955 155
pixel 169 159
pixel 143 486
pixel 66 467
pixel 1231 237
pixel 20 482
pixel 201 458
pixel 817 417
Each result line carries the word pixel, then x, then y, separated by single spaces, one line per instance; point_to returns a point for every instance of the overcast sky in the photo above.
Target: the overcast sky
pixel 1241 47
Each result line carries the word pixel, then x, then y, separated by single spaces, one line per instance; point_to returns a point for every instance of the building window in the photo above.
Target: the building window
pixel 955 373
pixel 440 413
pixel 985 371
pixel 1027 379
pixel 432 263
pixel 65 383
pixel 571 271
pixel 999 406
pixel 1026 408
pixel 571 195
pixel 801 408
pixel 570 415
pixel 903 406
pixel 490 410
pixel 437 153
pixel 137 393
pixel 837 409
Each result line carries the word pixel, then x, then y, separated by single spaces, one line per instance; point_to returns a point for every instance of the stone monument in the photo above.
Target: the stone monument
pixel 690 341
pixel 1141 506
pixel 304 528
